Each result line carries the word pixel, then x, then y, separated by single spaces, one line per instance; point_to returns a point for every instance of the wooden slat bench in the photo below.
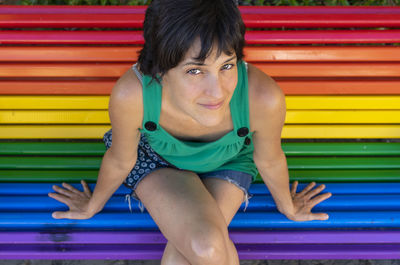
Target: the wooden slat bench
pixel 342 129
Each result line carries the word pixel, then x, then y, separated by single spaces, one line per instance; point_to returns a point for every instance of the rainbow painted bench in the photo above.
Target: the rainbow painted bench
pixel 57 68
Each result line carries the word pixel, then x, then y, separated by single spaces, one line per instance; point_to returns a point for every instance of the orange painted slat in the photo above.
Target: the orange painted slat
pixel 330 69
pixel 75 70
pixel 296 87
pixel 56 87
pixel 252 54
pixel 336 87
pixel 115 70
pixel 69 54
pixel 324 54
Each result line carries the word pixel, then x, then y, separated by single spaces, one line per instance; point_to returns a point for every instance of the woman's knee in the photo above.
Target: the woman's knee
pixel 209 245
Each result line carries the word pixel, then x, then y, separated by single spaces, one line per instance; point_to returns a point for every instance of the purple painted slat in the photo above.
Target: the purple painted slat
pixel 88 252
pixel 360 251
pixel 239 237
pixel 140 252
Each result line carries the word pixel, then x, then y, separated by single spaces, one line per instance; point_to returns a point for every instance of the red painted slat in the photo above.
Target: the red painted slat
pixel 252 37
pixel 67 9
pixel 123 9
pixel 71 20
pixel 251 20
pixel 288 10
pixel 326 36
pixel 71 37
pixel 321 20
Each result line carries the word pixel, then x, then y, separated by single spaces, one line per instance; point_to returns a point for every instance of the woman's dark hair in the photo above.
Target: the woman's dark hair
pixel 171 27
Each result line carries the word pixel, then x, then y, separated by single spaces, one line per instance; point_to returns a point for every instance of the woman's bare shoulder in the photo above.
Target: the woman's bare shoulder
pixel 266 98
pixel 126 100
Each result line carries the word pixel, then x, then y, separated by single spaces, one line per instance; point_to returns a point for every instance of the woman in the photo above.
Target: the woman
pixel 192 125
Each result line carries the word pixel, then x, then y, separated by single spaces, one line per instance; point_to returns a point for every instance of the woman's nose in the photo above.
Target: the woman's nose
pixel 214 88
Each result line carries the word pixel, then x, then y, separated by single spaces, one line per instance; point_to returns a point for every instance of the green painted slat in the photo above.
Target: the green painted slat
pixel 74 163
pixel 341 149
pixel 52 148
pixel 50 163
pixel 290 149
pixel 48 175
pixel 343 162
pixel 380 175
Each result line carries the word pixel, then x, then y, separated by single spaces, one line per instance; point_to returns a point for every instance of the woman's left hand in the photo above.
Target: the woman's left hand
pixel 305 200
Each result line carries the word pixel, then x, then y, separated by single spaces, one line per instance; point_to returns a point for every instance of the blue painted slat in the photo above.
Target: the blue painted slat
pixel 264 203
pixel 336 188
pixel 139 221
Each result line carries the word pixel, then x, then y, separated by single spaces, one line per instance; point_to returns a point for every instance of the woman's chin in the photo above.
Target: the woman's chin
pixel 209 122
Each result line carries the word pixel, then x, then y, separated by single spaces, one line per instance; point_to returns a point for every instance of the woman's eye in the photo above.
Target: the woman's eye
pixel 194 71
pixel 227 66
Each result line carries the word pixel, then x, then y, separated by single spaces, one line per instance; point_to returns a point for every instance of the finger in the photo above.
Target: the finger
pixel 60 215
pixel 307 189
pixel 68 215
pixel 315 191
pixel 62 191
pixel 319 199
pixel 70 188
pixel 294 188
pixel 60 198
pixel 319 216
pixel 86 188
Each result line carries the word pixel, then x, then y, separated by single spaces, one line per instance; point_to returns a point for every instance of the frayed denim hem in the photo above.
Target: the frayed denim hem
pixel 246 196
pixel 241 180
pixel 128 199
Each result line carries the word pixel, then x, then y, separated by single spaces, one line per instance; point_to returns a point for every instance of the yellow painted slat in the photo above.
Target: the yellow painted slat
pixel 292 116
pixel 54 117
pixel 53 131
pixel 292 102
pixel 289 131
pixel 343 102
pixel 343 116
pixel 54 102
pixel 341 131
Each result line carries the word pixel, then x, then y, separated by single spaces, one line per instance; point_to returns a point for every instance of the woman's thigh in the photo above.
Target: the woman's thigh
pixel 181 206
pixel 227 195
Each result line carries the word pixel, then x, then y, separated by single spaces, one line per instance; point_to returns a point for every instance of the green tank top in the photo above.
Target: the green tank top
pixel 232 151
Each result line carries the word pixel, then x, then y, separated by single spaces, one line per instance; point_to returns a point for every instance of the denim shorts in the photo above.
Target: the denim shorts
pixel 148 161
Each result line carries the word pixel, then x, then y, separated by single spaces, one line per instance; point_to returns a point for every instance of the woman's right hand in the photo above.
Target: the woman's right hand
pixel 76 200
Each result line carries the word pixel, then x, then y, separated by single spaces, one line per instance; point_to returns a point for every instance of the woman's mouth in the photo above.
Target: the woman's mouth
pixel 215 106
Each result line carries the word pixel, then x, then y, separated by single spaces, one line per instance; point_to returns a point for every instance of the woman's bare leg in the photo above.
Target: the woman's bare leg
pixel 187 215
pixel 228 198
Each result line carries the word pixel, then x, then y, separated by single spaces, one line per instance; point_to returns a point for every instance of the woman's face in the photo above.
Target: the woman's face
pixel 202 91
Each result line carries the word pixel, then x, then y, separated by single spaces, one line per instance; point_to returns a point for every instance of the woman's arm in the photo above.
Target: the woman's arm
pixel 267 120
pixel 126 114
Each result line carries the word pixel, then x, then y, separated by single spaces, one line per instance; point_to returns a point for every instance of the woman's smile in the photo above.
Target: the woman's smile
pixel 213 106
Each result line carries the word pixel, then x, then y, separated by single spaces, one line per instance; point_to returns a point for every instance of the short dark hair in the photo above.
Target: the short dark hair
pixel 171 27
